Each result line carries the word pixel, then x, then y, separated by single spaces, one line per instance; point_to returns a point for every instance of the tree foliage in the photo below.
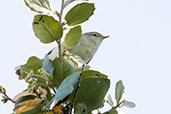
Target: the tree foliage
pixel 59 85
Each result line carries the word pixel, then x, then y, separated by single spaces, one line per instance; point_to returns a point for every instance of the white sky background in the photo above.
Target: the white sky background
pixel 138 51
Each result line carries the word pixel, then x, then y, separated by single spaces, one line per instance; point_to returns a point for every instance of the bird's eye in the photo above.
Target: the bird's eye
pixel 94 34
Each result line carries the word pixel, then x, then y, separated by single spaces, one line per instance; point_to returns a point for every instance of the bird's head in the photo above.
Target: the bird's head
pixel 95 36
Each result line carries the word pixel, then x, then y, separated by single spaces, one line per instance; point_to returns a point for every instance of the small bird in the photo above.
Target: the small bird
pixel 86 47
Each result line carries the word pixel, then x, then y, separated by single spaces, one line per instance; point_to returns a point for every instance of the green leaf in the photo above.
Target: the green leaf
pixel 80 108
pixel 113 111
pixel 24 98
pixel 93 73
pixel 73 37
pixel 40 6
pixel 62 69
pixel 47 29
pixel 70 1
pixel 119 90
pixel 129 104
pixel 48 65
pixel 66 88
pixel 24 69
pixel 92 92
pixel 79 13
pixel 34 62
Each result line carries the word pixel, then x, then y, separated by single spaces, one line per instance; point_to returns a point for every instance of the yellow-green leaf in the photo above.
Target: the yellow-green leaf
pixel 73 37
pixel 34 62
pixel 79 13
pixel 27 105
pixel 47 29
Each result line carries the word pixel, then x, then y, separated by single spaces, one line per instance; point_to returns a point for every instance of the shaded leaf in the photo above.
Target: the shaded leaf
pixel 73 37
pixel 119 90
pixel 79 13
pixel 66 88
pixel 48 96
pixel 113 111
pixel 62 69
pixel 40 78
pixel 40 6
pixel 129 104
pixel 80 108
pixel 92 92
pixel 58 109
pixel 70 1
pixel 48 65
pixel 93 73
pixel 27 105
pixel 46 28
pixel 24 69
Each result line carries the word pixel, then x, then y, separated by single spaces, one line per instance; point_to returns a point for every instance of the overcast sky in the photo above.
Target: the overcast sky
pixel 137 52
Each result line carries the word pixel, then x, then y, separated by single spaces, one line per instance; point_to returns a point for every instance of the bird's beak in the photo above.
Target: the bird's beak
pixel 104 37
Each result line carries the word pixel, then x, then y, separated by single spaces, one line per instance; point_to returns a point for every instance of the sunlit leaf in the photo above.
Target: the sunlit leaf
pixel 66 88
pixel 119 90
pixel 27 105
pixel 34 62
pixel 80 108
pixel 40 6
pixel 73 37
pixel 25 98
pixel 47 29
pixel 129 104
pixel 109 100
pixel 92 92
pixel 34 110
pixel 62 69
pixel 79 13
pixel 25 93
pixel 70 1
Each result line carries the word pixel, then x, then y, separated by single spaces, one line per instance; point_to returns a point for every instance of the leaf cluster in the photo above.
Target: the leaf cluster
pixel 55 85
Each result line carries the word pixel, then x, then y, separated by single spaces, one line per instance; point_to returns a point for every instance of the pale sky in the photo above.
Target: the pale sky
pixel 137 52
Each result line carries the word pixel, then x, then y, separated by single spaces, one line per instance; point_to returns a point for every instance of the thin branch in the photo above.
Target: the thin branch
pixel 61 12
pixel 76 90
pixel 8 97
pixel 60 21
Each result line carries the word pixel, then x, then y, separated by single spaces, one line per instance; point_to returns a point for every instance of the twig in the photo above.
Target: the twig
pixel 60 21
pixel 54 90
pixel 61 12
pixel 8 97
pixel 76 90
pixel 59 47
